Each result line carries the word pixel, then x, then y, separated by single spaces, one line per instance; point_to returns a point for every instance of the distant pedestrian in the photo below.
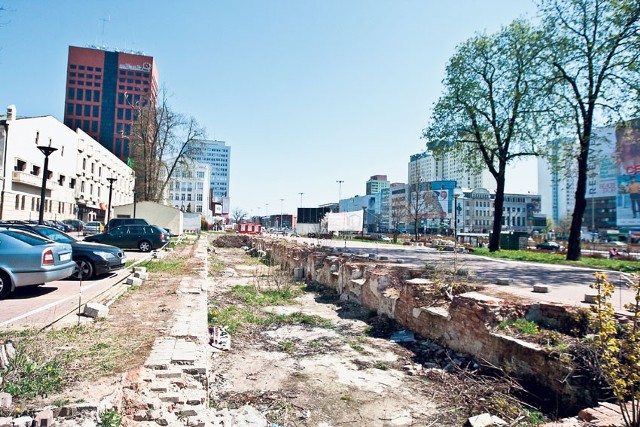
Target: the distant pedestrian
pixel 613 253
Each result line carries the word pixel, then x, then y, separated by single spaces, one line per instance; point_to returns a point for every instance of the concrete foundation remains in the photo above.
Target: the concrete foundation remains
pixel 466 323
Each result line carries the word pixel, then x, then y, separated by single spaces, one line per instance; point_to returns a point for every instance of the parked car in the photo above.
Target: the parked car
pixel 27 259
pixel 117 222
pixel 549 246
pixel 92 227
pixel 143 237
pixel 63 227
pixel 92 259
pixel 75 224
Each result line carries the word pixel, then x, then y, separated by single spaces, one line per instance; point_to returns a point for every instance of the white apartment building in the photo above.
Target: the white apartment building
pixel 77 184
pixel 217 155
pixel 189 189
pixel 425 167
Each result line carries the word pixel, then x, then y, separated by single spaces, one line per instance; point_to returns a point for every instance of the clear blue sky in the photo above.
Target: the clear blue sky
pixel 306 92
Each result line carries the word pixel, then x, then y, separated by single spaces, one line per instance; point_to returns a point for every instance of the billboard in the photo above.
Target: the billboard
pixel 346 221
pixel 615 170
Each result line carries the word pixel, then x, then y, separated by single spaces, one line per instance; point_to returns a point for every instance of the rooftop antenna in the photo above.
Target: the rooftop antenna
pixel 104 20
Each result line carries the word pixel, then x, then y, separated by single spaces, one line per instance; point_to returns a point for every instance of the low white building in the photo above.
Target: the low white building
pixel 155 213
pixel 77 184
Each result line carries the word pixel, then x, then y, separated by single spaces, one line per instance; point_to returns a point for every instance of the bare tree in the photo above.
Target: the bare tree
pixel 238 216
pixel 416 206
pixel 398 215
pixel 161 141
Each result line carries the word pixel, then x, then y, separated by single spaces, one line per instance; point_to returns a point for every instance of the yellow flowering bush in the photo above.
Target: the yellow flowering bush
pixel 619 346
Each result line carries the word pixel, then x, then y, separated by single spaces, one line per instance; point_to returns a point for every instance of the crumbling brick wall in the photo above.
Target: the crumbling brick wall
pixel 465 324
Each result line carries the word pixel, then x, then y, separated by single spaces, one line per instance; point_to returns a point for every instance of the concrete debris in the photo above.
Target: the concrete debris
pixel 133 281
pixel 7 352
pixel 245 416
pixel 219 338
pixel 5 400
pixel 485 420
pixel 141 275
pixel 22 421
pixel 95 310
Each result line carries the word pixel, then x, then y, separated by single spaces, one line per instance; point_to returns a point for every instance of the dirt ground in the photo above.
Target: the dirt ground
pixel 342 370
pixel 349 373
pixel 94 355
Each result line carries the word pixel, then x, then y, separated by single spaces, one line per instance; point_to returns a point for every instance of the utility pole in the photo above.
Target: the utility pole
pixel 339 192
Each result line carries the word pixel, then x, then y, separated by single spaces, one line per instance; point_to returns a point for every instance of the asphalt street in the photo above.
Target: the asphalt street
pixel 37 307
pixel 568 285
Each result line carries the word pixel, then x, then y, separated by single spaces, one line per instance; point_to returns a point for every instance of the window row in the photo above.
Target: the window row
pixel 89 126
pixel 131 88
pixel 136 74
pixel 88 68
pixel 83 83
pixel 32 203
pixel 79 94
pixel 83 110
pixel 21 166
pixel 87 76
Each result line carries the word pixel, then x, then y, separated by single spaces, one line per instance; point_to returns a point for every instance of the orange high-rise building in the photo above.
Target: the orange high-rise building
pixel 105 92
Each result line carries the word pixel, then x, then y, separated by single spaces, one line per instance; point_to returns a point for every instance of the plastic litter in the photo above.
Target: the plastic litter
pixel 403 336
pixel 219 338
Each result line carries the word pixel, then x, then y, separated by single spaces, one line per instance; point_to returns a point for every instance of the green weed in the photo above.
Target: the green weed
pixel 164 266
pixel 252 296
pixel 234 319
pixel 27 378
pixel 381 365
pixel 287 346
pixel 522 326
pixel 109 418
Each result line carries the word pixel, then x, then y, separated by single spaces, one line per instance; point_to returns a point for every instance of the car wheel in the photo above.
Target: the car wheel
pixel 84 270
pixel 144 246
pixel 5 285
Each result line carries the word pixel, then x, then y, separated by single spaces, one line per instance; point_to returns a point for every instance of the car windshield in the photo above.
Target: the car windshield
pixel 28 238
pixel 56 235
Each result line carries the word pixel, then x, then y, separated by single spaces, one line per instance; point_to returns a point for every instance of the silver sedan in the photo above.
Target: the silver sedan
pixel 28 260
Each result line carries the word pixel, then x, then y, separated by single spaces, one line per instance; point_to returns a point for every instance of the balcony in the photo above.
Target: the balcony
pixel 31 180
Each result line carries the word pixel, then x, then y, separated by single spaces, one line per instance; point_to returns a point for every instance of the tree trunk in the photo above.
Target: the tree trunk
pixel 494 241
pixel 573 249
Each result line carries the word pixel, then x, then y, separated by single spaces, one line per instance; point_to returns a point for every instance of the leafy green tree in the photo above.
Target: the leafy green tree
pixel 592 53
pixel 488 114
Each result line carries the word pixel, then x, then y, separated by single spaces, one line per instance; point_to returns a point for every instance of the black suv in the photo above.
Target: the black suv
pixel 92 259
pixel 117 222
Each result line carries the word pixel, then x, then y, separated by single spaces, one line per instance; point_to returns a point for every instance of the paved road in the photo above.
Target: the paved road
pixel 39 307
pixel 568 285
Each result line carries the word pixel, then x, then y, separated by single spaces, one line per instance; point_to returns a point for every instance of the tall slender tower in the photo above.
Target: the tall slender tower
pixel 105 92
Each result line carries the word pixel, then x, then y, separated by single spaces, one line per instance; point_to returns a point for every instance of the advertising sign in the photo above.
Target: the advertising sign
pixel 614 169
pixel 345 221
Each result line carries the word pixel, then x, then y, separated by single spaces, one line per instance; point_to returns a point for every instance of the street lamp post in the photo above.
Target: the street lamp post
pixel 281 223
pixel 111 181
pixel 339 192
pixel 456 194
pixel 46 150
